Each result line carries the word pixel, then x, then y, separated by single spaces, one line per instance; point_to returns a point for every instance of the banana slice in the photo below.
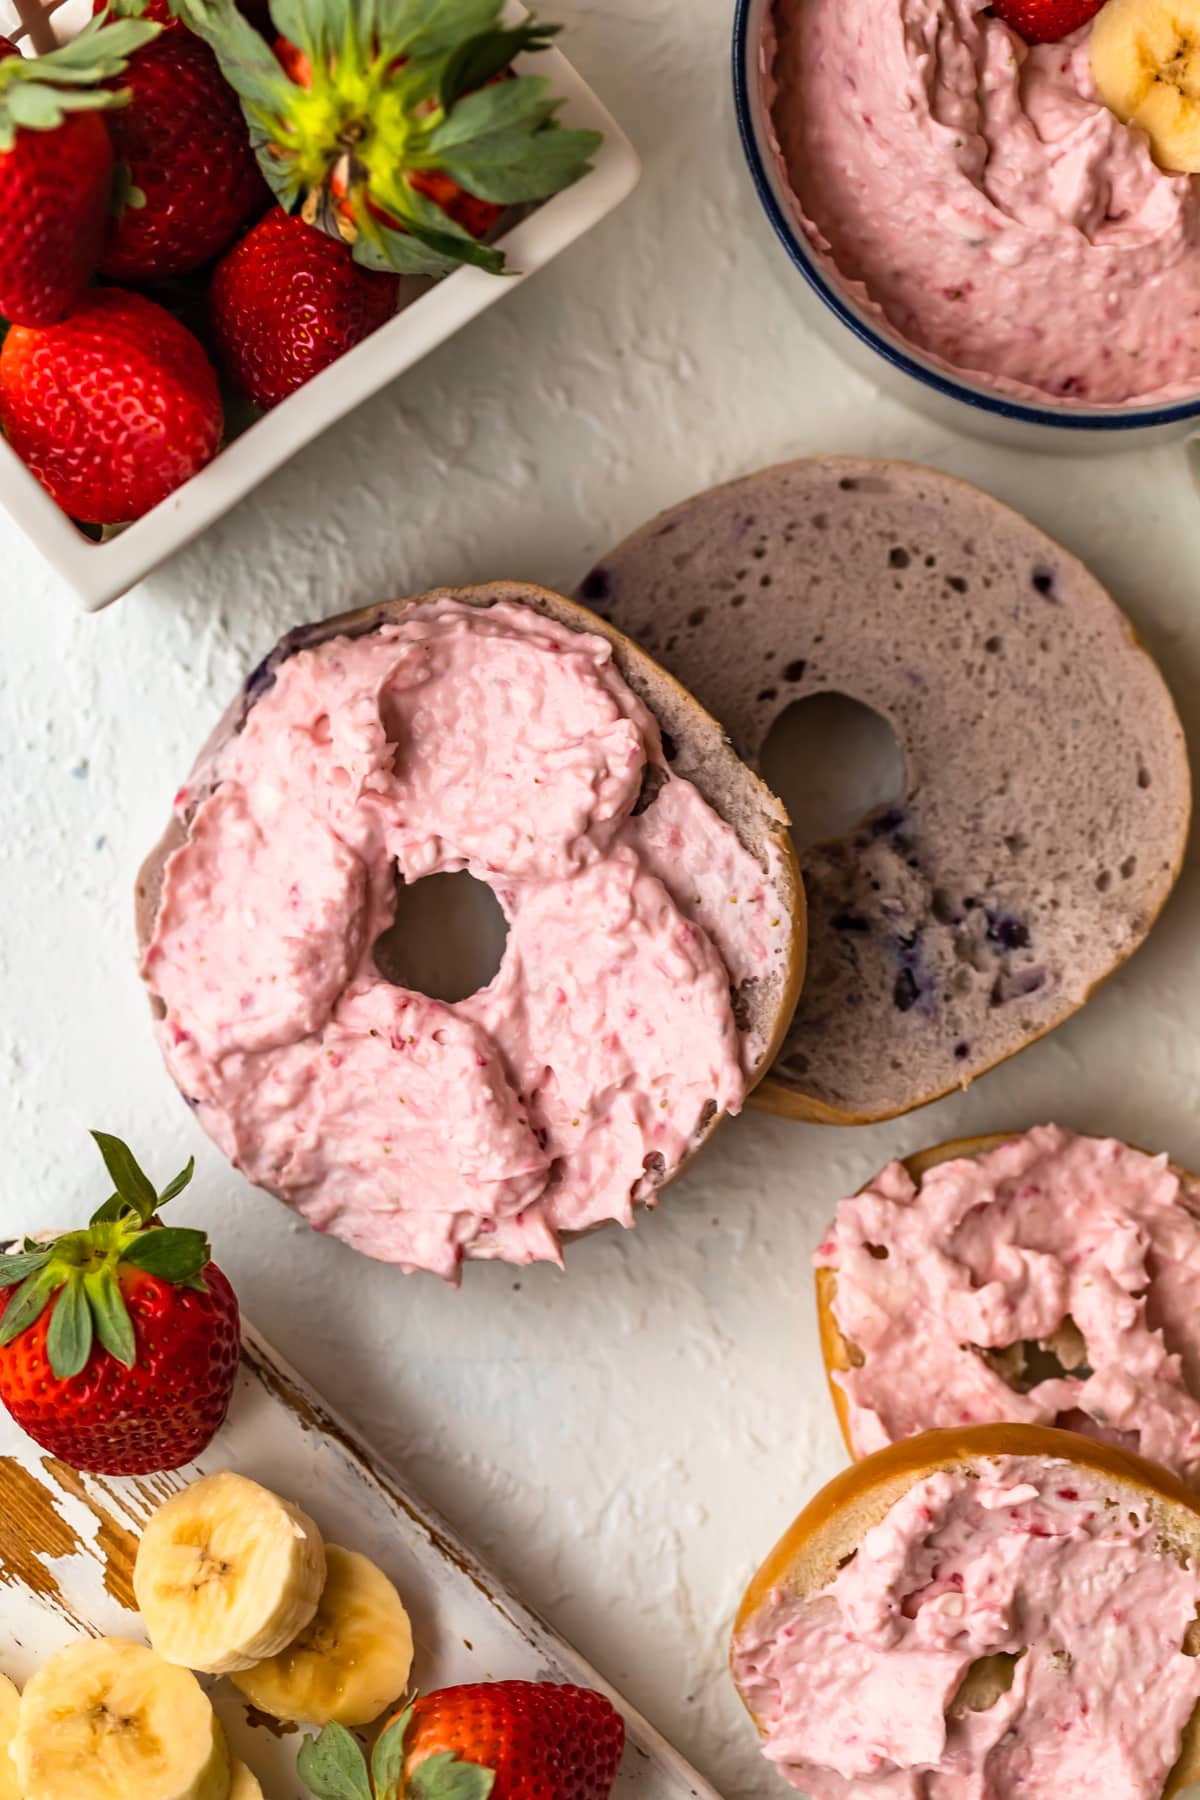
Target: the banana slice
pixel 350 1663
pixel 111 1720
pixel 227 1574
pixel 1146 64
pixel 245 1785
pixel 10 1711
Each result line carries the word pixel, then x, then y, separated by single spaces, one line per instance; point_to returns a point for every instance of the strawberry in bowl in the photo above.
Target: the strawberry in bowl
pixel 378 125
pixel 510 1740
pixel 119 1343
pixel 56 165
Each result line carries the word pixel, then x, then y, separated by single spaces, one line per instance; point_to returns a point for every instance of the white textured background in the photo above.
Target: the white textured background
pixel 626 1442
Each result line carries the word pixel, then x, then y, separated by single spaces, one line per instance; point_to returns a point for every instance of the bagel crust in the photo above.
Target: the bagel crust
pixel 1046 1278
pixel 981 1612
pixel 1045 798
pixel 650 959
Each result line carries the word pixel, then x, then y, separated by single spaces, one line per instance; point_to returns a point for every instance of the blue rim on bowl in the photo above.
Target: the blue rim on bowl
pixel 747 18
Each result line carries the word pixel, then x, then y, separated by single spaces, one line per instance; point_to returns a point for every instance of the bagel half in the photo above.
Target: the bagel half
pixel 833 1525
pixel 693 744
pixel 1046 797
pixel 841 1356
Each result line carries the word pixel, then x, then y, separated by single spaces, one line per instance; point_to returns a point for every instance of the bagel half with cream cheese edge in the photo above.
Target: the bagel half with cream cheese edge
pixel 1042 814
pixel 654 911
pixel 1006 1609
pixel 1042 1278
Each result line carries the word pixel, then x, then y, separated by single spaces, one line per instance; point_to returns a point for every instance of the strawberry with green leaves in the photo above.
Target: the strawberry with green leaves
pixel 396 99
pixel 119 1343
pixel 493 1740
pixel 56 166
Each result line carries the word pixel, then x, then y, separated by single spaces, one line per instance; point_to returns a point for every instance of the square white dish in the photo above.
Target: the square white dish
pixel 101 572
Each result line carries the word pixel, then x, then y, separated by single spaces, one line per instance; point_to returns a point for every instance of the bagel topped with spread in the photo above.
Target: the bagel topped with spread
pixel 1046 792
pixel 654 914
pixel 1005 1610
pixel 1046 1279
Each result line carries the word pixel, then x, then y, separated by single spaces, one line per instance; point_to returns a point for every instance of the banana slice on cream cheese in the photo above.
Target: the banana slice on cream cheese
pixel 1146 63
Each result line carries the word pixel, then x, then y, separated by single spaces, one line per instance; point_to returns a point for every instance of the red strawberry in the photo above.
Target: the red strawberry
pixel 160 11
pixel 380 116
pixel 1046 21
pixel 56 167
pixel 119 1343
pixel 191 179
pixel 512 1740
pixel 288 301
pixel 479 217
pixel 112 409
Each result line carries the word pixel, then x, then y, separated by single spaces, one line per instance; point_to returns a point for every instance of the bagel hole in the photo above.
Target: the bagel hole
pixel 1025 1365
pixel 985 1682
pixel 447 938
pixel 832 761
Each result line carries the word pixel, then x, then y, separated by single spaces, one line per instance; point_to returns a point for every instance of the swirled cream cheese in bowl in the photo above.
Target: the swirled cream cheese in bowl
pixel 652 952
pixel 975 195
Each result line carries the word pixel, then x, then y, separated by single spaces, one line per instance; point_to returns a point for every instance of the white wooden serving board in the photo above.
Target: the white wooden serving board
pixel 67 1543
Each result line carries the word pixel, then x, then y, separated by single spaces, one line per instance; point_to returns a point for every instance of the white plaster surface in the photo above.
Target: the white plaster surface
pixel 626 1442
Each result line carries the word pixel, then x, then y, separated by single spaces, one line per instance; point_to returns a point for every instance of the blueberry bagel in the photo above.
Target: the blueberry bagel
pixel 653 910
pixel 1046 789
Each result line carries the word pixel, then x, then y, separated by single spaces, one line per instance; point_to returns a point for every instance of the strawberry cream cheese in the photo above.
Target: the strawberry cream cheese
pixel 977 193
pixel 552 1100
pixel 1054 1280
pixel 1024 1560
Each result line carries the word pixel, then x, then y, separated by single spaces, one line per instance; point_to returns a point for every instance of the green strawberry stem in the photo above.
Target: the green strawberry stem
pixel 37 93
pixel 396 89
pixel 78 1271
pixel 335 1768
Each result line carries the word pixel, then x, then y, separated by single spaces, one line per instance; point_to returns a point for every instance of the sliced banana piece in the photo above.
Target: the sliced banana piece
pixel 245 1785
pixel 227 1573
pixel 1146 64
pixel 350 1663
pixel 10 1711
pixel 110 1720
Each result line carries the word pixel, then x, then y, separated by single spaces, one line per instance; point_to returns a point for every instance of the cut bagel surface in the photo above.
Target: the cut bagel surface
pixel 981 1611
pixel 692 747
pixel 1046 793
pixel 1042 1277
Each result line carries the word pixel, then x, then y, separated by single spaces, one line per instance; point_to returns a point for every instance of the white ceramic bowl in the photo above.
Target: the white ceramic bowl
pixel 868 341
pixel 100 572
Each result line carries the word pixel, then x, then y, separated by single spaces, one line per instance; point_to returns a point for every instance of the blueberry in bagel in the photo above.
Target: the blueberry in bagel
pixel 654 927
pixel 1046 793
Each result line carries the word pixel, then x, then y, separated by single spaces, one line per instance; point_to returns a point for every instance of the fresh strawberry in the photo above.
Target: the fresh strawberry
pixel 391 99
pixel 287 301
pixel 188 179
pixel 56 166
pixel 479 217
pixel 1046 21
pixel 161 12
pixel 119 1343
pixel 113 408
pixel 512 1740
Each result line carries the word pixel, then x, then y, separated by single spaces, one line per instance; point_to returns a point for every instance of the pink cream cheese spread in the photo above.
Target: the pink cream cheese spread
pixel 1054 1280
pixel 557 1097
pixel 977 193
pixel 1026 1560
